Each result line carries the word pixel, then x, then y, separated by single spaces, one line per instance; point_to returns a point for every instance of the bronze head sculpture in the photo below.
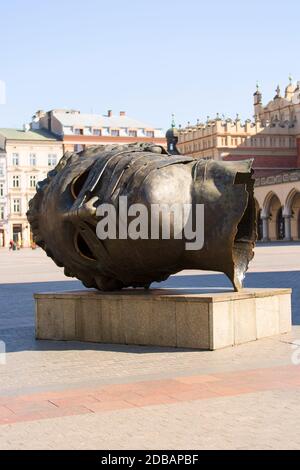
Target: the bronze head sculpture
pixel 65 213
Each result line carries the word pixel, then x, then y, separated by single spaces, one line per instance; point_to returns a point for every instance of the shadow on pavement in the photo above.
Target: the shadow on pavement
pixel 17 307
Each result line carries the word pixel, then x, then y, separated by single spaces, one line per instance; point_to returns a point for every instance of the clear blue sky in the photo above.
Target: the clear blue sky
pixel 150 58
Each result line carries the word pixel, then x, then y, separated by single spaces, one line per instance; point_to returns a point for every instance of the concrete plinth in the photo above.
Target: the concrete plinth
pixel 164 317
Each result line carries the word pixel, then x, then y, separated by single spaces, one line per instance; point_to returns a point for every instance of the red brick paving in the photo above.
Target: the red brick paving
pixel 111 397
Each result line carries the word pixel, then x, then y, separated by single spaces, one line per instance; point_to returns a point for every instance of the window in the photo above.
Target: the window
pixel 52 159
pixel 16 181
pixel 97 132
pixel 273 141
pixel 149 133
pixel 132 133
pixel 281 141
pixel 78 131
pixel 1 189
pixel 32 181
pixel 1 212
pixel 32 159
pixel 15 159
pixel 1 169
pixel 291 142
pixel 115 133
pixel 16 206
pixel 78 148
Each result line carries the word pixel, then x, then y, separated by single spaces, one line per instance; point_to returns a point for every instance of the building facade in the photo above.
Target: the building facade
pixel 79 130
pixel 25 158
pixel 27 155
pixel 278 206
pixel 3 200
pixel 272 138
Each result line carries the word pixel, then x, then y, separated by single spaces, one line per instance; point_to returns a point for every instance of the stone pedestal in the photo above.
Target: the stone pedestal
pixel 164 317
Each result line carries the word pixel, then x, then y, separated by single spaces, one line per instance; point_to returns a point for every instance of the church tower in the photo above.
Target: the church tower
pixel 290 89
pixel 172 138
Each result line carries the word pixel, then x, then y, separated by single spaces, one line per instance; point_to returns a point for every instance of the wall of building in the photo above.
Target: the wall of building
pixel 71 143
pixel 3 201
pixel 272 138
pixel 271 147
pixel 22 175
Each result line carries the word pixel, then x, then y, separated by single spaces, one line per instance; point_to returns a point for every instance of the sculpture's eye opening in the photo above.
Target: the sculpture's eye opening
pixel 82 247
pixel 78 183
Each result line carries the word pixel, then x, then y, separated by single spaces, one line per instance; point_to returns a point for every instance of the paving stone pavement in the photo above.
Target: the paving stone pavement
pixel 89 396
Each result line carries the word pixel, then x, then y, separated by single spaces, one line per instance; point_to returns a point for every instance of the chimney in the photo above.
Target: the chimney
pixel 122 113
pixel 109 113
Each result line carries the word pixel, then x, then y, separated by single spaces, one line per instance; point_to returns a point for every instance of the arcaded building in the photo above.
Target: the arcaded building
pixel 278 206
pixel 272 139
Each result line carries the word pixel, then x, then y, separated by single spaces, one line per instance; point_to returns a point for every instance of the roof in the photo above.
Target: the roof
pixel 19 134
pixel 97 120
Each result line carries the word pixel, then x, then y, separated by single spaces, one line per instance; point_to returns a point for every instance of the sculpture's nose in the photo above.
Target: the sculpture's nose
pixel 86 211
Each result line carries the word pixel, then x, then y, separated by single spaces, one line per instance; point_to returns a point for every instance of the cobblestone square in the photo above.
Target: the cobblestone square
pixel 69 395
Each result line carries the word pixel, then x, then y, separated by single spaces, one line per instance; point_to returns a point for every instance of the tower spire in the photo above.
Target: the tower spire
pixel 277 92
pixel 173 121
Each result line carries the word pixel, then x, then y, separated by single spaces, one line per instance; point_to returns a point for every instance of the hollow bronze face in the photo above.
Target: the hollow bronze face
pixel 64 215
